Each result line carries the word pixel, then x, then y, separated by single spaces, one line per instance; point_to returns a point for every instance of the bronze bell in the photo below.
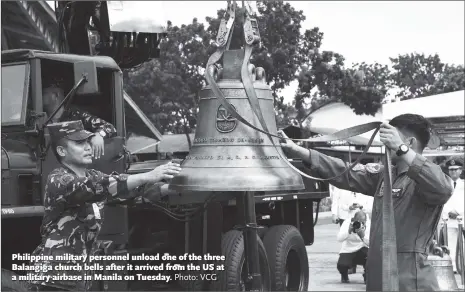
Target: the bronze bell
pixel 440 260
pixel 227 155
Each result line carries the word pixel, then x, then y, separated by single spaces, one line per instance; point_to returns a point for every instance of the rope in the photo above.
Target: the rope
pixel 390 280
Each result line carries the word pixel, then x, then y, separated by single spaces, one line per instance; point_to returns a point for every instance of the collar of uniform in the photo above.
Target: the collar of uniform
pixel 69 170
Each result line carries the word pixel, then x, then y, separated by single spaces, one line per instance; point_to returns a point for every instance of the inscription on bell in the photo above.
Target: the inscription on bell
pixel 231 157
pixel 225 122
pixel 229 140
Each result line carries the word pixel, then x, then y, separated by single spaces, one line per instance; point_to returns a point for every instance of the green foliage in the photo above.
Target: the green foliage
pixel 418 75
pixel 362 87
pixel 167 89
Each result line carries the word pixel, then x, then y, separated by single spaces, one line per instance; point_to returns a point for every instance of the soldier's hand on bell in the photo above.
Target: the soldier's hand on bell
pixel 390 136
pixel 164 172
pixel 98 146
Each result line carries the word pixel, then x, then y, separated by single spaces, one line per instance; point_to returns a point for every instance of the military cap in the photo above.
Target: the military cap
pixel 454 163
pixel 72 130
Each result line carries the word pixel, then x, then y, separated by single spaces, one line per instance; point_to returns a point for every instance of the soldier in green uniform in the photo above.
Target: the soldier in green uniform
pixel 53 95
pixel 420 189
pixel 74 201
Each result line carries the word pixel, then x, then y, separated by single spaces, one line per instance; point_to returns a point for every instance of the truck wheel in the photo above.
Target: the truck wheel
pixel 232 278
pixel 288 259
pixel 262 231
pixel 195 283
pixel 8 284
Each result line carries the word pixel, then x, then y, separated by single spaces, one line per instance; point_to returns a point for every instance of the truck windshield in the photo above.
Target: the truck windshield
pixel 13 89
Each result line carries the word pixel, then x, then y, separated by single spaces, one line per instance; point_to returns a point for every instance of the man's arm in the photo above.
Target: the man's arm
pixel 73 190
pixel 433 184
pixel 366 235
pixel 361 179
pixel 343 233
pixel 92 123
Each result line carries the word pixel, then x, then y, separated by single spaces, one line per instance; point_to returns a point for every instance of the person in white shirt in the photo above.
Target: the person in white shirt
pixel 354 235
pixel 346 203
pixel 454 207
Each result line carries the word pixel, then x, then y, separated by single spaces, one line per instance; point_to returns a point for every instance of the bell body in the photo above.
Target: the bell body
pixel 444 272
pixel 227 155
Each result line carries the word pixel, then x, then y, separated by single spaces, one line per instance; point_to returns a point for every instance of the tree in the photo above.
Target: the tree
pixel 325 79
pixel 169 86
pixel 418 75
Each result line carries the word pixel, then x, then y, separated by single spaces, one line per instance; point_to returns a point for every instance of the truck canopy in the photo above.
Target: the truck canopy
pixel 445 112
pixel 25 55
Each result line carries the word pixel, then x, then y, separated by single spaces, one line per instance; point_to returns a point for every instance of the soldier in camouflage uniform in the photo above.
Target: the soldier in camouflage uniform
pixel 419 189
pixel 74 201
pixel 53 95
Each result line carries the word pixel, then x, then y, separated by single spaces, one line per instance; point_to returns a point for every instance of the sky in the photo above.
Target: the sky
pixel 363 31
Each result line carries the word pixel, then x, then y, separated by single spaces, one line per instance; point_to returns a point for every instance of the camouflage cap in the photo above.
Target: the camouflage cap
pixel 72 130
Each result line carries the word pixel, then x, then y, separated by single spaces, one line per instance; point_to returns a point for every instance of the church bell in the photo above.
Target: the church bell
pixel 227 155
pixel 440 260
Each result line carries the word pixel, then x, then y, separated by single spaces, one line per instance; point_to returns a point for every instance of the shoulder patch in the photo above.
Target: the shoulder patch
pixel 359 167
pixel 373 167
pixel 66 178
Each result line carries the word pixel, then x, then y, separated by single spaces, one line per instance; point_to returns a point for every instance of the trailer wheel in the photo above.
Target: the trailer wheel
pixel 8 284
pixel 288 258
pixel 232 278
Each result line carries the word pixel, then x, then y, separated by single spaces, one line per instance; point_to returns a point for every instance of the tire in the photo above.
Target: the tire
pixel 262 231
pixel 10 285
pixel 288 258
pixel 232 247
pixel 196 284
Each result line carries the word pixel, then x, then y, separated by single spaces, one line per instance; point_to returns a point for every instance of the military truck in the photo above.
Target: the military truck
pixel 175 225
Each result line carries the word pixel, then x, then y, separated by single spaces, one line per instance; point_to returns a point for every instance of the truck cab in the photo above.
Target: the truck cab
pixel 26 156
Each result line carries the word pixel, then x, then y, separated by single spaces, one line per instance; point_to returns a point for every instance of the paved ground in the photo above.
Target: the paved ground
pixel 323 256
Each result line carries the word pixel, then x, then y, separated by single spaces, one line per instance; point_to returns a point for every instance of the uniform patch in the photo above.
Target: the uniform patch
pixel 359 167
pixel 66 178
pixel 373 168
pixel 396 192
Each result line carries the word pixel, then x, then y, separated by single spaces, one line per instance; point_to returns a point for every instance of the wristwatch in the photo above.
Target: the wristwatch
pixel 402 150
pixel 102 133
